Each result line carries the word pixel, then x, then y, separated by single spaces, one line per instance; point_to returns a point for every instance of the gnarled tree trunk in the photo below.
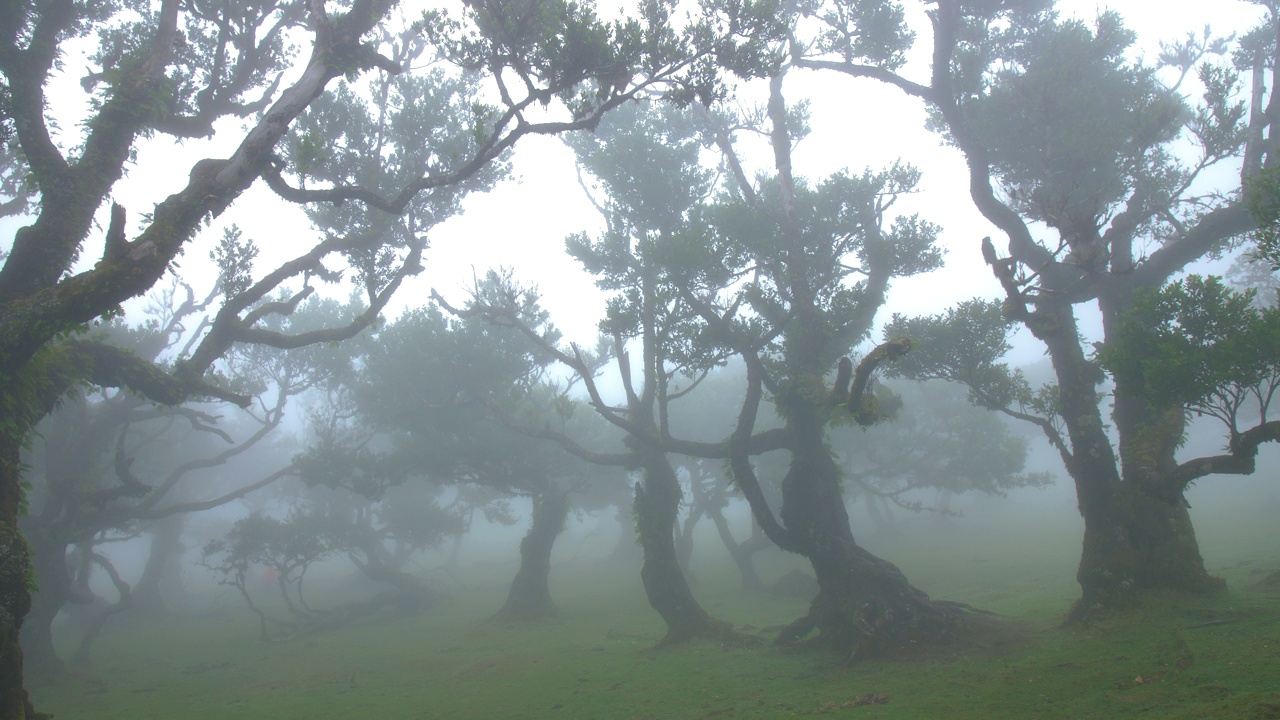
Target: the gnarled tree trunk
pixel 865 605
pixel 1138 534
pixel 1136 541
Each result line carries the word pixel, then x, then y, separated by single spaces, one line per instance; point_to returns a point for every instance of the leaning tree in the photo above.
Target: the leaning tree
pixel 1104 179
pixel 182 71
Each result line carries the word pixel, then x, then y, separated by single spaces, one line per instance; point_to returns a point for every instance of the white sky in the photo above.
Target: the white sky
pixel 523 222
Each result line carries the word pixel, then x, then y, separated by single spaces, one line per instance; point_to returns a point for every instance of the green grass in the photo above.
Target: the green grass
pixel 595 660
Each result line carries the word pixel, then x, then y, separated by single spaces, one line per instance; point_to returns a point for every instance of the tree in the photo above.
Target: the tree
pixel 1196 347
pixel 812 264
pixel 1072 155
pixel 764 270
pixel 377 535
pixel 646 159
pixel 432 384
pixel 175 70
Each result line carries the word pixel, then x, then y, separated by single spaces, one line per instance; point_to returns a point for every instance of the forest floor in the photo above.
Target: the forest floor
pixel 1172 658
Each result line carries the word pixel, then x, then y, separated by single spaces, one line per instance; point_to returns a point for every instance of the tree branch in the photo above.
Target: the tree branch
pixel 1242 459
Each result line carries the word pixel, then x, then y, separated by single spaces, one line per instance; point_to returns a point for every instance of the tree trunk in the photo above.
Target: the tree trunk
pixel 627 551
pixel 743 553
pixel 163 571
pixel 99 621
pixel 865 606
pixel 15 595
pixel 530 595
pixel 1138 533
pixel 684 539
pixel 53 582
pixel 1133 542
pixel 657 505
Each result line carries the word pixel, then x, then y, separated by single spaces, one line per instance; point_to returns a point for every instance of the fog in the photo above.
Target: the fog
pixel 787 364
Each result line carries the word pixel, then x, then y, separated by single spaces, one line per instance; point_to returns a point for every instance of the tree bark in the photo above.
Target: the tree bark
pixel 15 595
pixel 530 595
pixel 53 583
pixel 1133 542
pixel 1138 534
pixel 163 568
pixel 865 606
pixel 743 553
pixel 657 505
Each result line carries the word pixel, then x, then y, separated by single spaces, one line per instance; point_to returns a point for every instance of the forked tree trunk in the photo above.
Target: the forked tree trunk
pixel 99 621
pixel 657 505
pixel 1138 534
pixel 530 595
pixel 627 550
pixel 684 540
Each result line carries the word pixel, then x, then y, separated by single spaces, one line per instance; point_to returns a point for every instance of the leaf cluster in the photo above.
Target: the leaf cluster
pixel 1072 124
pixel 1198 344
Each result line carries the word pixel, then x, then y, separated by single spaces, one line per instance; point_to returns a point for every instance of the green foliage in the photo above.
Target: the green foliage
pixel 965 344
pixel 1262 197
pixel 359 470
pixel 234 257
pixel 870 32
pixel 289 545
pixel 565 50
pixel 647 158
pixel 1073 125
pixel 1194 343
pixel 408 139
pixel 436 387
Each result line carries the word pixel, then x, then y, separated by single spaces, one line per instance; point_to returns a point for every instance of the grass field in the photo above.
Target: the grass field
pixel 595 660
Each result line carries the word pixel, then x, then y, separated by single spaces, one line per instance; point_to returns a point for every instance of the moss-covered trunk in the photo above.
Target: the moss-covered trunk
pixel 530 595
pixel 1134 541
pixel 53 590
pixel 1138 534
pixel 15 595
